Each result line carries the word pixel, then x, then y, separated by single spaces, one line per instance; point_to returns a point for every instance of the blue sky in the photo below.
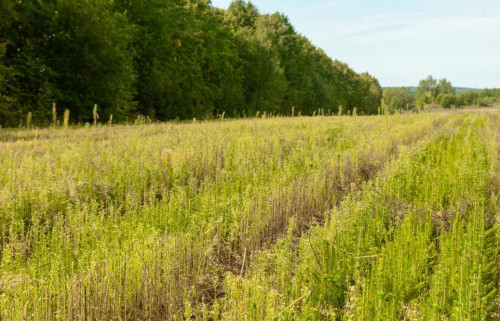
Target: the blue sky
pixel 402 41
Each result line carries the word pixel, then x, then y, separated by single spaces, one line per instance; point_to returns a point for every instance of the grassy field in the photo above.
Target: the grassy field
pixel 319 218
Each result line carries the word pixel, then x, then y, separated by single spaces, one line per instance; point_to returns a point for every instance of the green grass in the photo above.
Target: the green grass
pixel 322 218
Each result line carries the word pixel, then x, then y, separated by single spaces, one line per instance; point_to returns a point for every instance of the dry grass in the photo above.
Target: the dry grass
pixel 198 221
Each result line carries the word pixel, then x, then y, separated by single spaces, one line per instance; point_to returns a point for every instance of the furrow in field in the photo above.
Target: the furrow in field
pixel 146 236
pixel 453 176
pixel 464 281
pixel 493 209
pixel 307 201
pixel 321 278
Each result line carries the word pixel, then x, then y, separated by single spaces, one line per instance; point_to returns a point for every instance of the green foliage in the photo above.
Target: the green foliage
pixel 487 96
pixel 242 14
pixel 265 84
pixel 446 100
pixel 73 53
pixel 7 16
pixel 372 94
pixel 467 98
pixel 429 89
pixel 443 93
pixel 165 60
pixel 426 90
pixel 444 87
pixel 394 99
pixel 26 78
pixel 89 54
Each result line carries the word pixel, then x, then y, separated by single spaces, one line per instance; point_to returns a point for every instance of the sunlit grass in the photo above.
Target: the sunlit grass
pixel 258 219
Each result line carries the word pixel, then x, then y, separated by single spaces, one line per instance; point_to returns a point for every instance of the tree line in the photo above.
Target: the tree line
pixel 438 92
pixel 165 59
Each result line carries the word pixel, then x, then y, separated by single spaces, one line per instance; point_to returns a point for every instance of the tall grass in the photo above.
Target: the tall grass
pixel 380 254
pixel 248 219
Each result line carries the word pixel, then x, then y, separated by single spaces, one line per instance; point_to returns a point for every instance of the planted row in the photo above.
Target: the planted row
pixel 144 222
pixel 416 243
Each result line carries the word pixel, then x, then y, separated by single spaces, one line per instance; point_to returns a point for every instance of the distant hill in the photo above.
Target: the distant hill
pixel 457 89
pixel 463 89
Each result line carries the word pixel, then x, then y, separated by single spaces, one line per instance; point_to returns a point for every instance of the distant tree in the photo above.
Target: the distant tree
pixel 89 53
pixel 431 90
pixel 444 87
pixel 492 94
pixel 345 85
pixel 371 93
pixel 166 59
pixel 466 98
pixel 283 69
pixel 426 90
pixel 221 69
pixel 8 101
pixel 242 14
pixel 446 100
pixel 185 60
pixel 28 80
pixel 74 53
pixel 397 99
pixel 265 83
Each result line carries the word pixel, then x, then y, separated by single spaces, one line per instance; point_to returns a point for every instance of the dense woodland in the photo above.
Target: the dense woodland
pixel 165 59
